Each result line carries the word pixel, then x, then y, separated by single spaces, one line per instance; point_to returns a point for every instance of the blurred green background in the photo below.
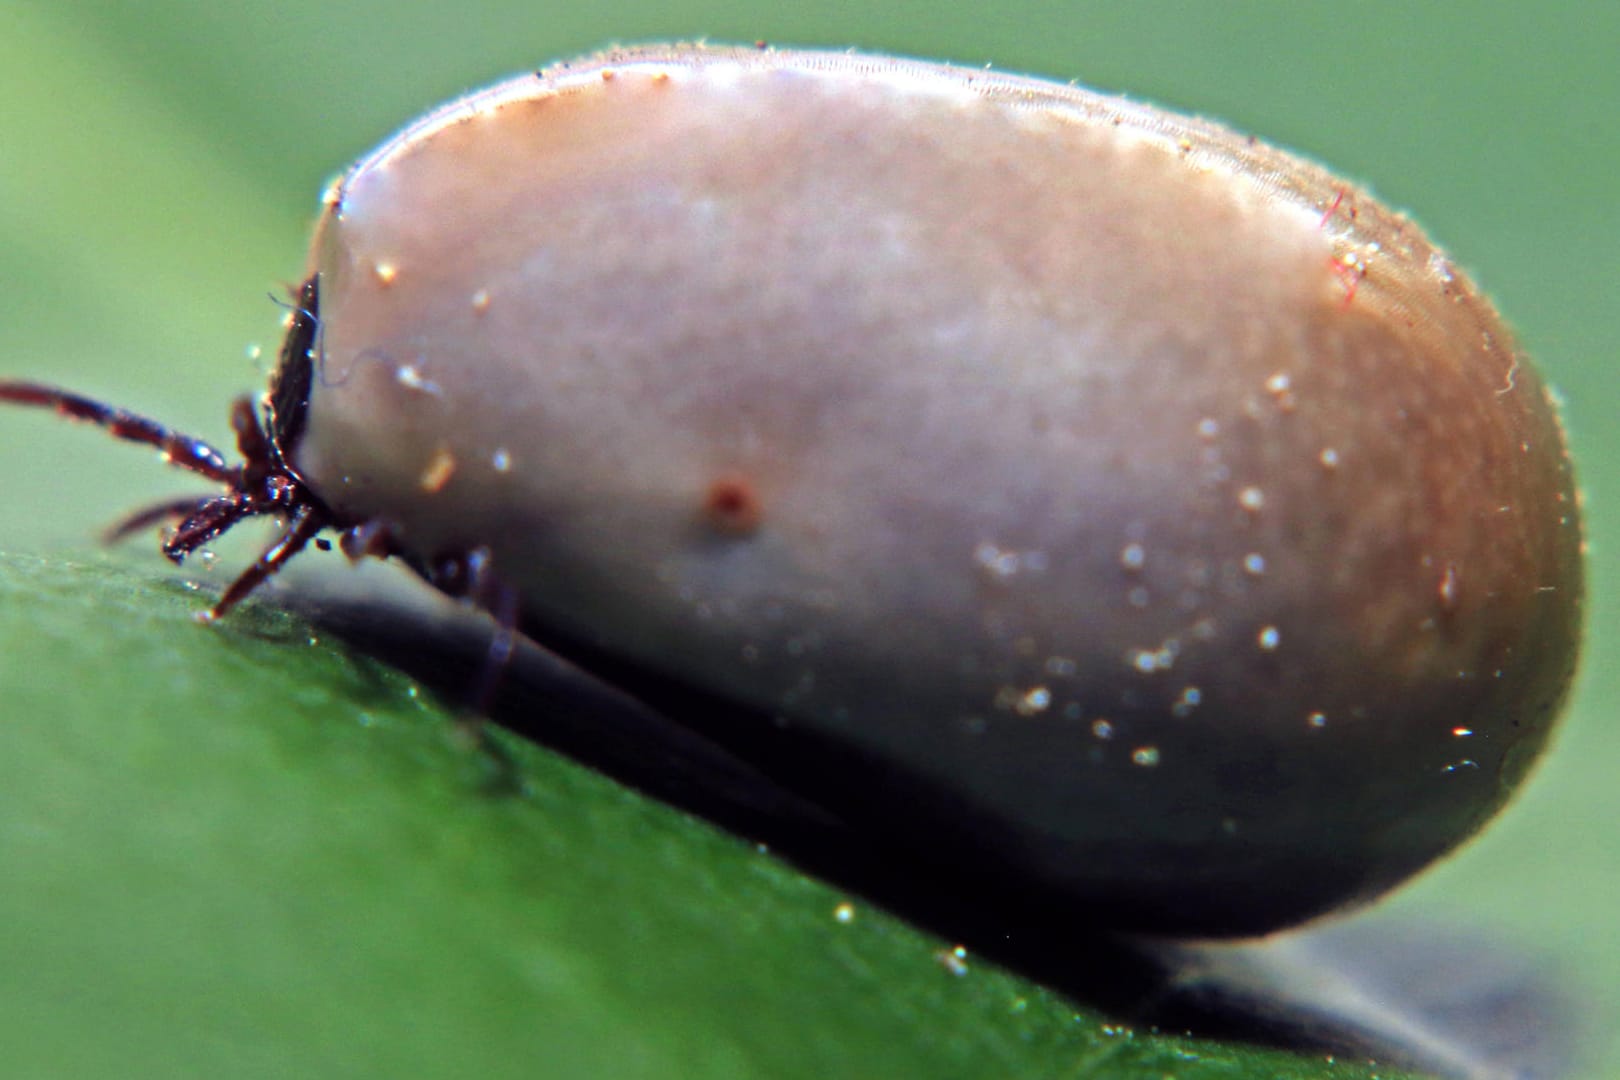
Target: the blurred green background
pixel 160 165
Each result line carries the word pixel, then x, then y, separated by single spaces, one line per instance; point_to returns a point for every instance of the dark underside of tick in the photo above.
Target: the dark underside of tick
pixel 264 483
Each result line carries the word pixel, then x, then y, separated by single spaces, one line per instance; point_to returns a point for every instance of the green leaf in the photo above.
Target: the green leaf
pixel 243 850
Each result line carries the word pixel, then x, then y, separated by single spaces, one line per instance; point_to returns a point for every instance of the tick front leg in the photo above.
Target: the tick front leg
pixel 305 522
pixel 178 449
pixel 178 509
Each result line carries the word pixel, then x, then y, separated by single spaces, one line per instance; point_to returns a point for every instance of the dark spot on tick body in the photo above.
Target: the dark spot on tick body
pixel 731 505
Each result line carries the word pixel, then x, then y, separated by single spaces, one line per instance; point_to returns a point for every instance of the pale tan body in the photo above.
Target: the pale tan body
pixel 1138 509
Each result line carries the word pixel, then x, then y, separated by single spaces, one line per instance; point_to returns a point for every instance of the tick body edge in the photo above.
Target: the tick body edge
pixel 1097 497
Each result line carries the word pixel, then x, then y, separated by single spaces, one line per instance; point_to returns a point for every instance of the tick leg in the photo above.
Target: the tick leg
pixel 258 455
pixel 501 601
pixel 467 577
pixel 158 512
pixel 305 523
pixel 262 484
pixel 470 576
pixel 179 449
pixel 372 539
pixel 210 519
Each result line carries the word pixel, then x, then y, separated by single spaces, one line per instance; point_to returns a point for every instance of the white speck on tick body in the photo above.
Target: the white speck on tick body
pixel 1061 666
pixel 437 472
pixel 1034 701
pixel 998 563
pixel 1448 589
pixel 410 377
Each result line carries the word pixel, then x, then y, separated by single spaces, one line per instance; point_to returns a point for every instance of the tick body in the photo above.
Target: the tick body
pixel 1093 495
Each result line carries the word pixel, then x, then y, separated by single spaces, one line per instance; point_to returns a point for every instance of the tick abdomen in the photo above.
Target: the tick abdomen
pixel 1021 444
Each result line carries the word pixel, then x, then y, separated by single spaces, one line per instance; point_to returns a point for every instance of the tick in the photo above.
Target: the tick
pixel 1068 489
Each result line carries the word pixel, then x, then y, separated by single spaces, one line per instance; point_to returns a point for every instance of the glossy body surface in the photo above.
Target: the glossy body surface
pixel 1121 503
pixel 1083 494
